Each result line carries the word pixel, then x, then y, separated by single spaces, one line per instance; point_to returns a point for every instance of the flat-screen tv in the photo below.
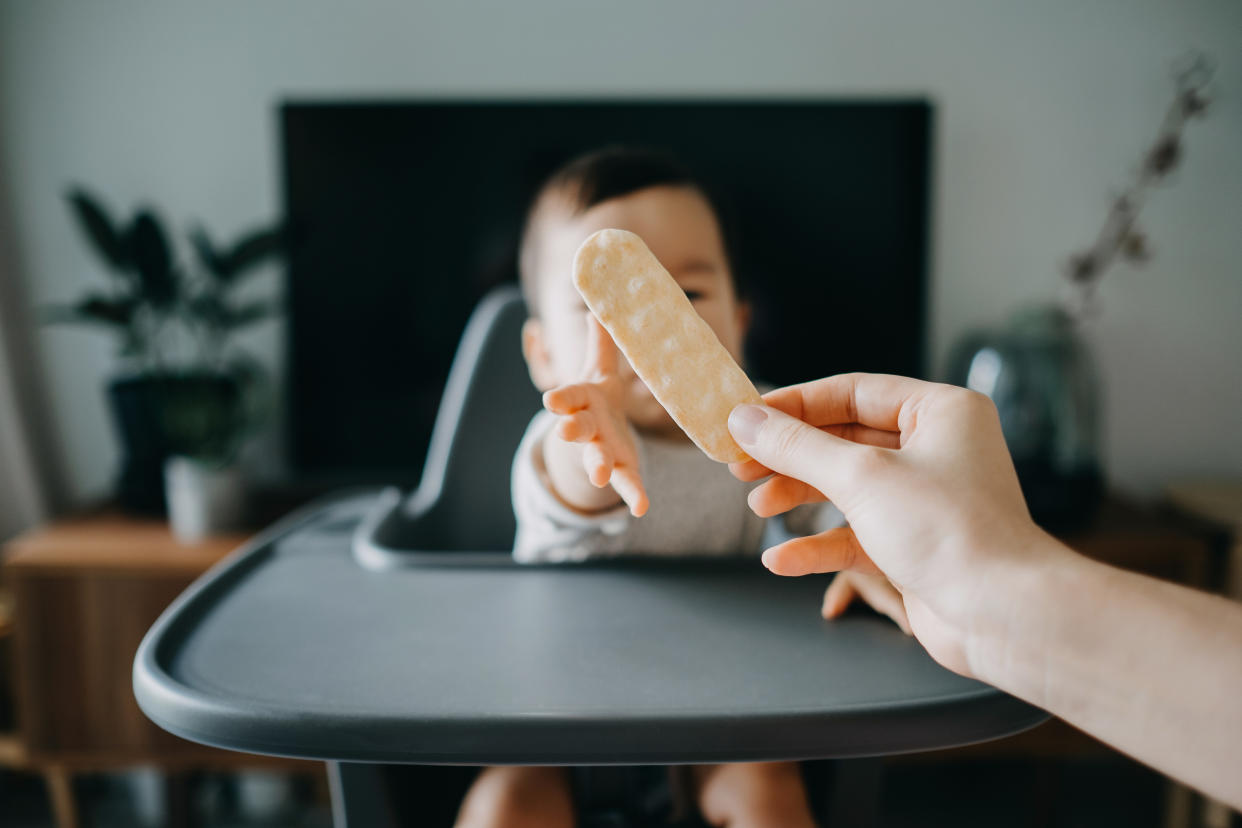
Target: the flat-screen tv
pixel 403 214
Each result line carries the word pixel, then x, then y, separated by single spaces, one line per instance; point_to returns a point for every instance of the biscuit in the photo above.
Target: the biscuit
pixel 668 344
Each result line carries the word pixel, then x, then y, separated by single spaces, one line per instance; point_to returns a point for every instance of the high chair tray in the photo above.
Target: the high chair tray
pixel 290 647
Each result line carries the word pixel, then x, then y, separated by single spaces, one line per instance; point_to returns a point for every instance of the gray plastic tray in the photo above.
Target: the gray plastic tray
pixel 290 647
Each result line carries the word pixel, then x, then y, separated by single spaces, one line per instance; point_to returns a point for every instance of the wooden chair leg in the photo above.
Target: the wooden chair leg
pixel 59 783
pixel 1216 814
pixel 856 788
pixel 1178 805
pixel 177 799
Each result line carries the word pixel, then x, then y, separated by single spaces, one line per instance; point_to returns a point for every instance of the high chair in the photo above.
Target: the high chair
pixel 372 629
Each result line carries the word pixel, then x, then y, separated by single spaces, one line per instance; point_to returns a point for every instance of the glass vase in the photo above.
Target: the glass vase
pixel 1041 376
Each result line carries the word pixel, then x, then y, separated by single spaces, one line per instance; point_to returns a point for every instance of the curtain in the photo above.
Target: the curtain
pixel 23 500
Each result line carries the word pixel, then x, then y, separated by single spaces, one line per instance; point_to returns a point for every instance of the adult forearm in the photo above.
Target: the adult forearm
pixel 922 473
pixel 1151 668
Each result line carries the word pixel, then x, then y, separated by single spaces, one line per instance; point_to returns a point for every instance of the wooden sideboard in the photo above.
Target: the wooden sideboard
pixel 83 591
pixel 81 594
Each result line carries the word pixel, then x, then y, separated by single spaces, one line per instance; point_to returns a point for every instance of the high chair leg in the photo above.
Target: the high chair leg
pixel 359 798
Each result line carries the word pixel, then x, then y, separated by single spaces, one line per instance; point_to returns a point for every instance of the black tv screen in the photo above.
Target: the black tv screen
pixel 402 215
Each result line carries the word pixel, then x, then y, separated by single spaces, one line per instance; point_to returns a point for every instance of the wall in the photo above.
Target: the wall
pixel 1043 107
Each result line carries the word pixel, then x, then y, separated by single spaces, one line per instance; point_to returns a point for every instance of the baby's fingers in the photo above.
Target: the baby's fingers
pixel 830 551
pixel 598 461
pixel 780 494
pixel 567 399
pixel 629 484
pixel 601 351
pixel 578 427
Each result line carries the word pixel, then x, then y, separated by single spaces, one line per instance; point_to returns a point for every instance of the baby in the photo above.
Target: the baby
pixel 605 452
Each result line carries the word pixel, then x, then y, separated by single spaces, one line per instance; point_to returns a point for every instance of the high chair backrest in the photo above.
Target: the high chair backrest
pixel 462 503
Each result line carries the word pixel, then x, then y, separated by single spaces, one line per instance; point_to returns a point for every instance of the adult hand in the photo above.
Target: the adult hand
pixel 922 474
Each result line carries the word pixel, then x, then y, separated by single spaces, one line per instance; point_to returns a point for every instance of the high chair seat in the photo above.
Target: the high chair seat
pixel 365 629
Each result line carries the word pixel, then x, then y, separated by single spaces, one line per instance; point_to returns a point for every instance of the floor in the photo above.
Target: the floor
pixel 1095 793
pixel 135 800
pixel 1083 794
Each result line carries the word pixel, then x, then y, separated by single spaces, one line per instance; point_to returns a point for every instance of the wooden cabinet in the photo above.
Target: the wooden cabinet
pixel 84 591
pixel 82 594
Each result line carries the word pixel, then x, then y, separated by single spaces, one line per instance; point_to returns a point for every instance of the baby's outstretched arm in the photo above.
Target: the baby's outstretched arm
pixel 591 446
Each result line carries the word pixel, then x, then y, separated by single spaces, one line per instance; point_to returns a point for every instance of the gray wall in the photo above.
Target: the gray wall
pixel 1044 108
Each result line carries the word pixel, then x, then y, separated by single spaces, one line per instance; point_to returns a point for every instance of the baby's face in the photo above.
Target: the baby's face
pixel 681 230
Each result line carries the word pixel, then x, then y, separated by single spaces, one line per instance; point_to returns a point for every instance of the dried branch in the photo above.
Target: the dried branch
pixel 1121 235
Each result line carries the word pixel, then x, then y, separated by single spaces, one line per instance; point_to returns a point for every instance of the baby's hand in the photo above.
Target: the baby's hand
pixel 875 590
pixel 592 413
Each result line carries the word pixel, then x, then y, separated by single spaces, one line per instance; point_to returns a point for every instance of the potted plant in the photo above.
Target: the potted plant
pixel 182 389
pixel 1039 371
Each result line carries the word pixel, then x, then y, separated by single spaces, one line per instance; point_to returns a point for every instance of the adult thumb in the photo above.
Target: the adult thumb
pixel 788 446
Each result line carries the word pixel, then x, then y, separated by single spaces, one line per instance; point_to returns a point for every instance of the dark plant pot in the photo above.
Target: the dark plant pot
pixel 1041 376
pixel 160 415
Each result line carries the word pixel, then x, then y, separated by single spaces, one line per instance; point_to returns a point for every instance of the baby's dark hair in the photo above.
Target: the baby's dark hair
pixel 601 175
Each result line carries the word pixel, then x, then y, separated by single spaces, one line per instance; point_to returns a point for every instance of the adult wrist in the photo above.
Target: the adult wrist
pixel 1009 635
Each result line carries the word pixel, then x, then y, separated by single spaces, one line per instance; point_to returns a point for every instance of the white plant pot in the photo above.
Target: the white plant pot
pixel 265 796
pixel 203 499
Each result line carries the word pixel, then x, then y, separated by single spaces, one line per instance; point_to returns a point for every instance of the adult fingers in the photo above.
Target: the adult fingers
pixel 866 435
pixel 838 597
pixel 877 592
pixel 874 400
pixel 830 551
pixel 793 448
pixel 780 494
pixel 749 470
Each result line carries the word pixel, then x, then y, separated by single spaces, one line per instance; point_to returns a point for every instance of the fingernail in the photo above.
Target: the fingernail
pixel 745 421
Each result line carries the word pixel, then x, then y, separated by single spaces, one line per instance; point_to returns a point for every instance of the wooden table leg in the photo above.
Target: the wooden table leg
pixel 1178 805
pixel 177 809
pixel 59 783
pixel 856 792
pixel 1217 814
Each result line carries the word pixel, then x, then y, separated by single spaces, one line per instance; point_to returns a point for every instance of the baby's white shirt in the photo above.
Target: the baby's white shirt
pixel 697 508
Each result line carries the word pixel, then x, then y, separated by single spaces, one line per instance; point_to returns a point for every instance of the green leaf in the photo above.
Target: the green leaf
pixel 99 228
pixel 148 246
pixel 94 309
pixel 201 415
pixel 257 400
pixel 250 251
pixel 248 314
pixel 206 251
pixel 208 308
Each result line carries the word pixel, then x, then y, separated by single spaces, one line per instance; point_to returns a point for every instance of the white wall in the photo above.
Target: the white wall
pixel 1043 107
